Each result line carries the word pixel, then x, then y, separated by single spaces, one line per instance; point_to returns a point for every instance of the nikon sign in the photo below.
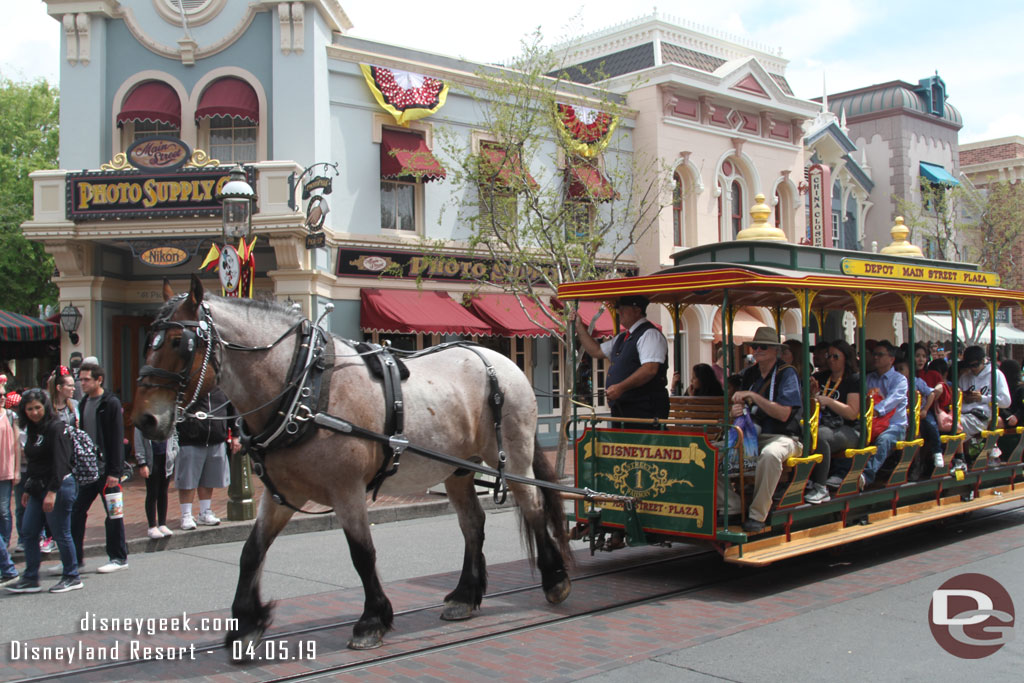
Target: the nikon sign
pixel 105 195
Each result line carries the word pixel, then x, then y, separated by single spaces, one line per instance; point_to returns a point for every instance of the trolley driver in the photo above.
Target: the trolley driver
pixel 637 381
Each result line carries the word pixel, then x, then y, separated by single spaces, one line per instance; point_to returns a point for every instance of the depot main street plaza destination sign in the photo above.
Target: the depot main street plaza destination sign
pixel 105 195
pixel 921 273
pixel 671 474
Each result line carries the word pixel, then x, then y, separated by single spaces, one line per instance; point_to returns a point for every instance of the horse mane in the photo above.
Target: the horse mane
pixel 282 311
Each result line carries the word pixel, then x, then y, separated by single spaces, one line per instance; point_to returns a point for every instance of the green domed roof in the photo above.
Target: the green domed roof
pixel 894 95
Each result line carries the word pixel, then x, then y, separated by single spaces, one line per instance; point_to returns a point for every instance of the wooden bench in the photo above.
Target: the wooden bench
pixel 707 411
pixel 802 466
pixel 907 450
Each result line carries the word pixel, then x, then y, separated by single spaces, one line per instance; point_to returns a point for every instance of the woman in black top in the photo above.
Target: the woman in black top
pixel 50 491
pixel 1014 415
pixel 839 398
pixel 703 382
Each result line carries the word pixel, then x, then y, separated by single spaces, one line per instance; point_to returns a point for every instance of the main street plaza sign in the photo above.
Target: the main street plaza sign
pixel 671 474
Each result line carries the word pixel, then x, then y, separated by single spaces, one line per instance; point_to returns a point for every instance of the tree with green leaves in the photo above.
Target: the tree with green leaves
pixel 29 136
pixel 971 225
pixel 591 201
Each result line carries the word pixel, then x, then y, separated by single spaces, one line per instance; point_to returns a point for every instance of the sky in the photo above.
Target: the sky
pixel 845 43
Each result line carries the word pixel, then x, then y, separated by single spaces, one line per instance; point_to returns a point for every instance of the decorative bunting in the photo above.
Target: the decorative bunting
pixel 247 259
pixel 586 131
pixel 405 95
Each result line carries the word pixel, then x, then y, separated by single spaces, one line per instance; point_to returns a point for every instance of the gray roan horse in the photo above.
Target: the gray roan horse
pixel 197 342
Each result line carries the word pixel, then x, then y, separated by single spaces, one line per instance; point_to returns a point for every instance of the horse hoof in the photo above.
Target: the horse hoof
pixel 456 611
pixel 559 592
pixel 365 642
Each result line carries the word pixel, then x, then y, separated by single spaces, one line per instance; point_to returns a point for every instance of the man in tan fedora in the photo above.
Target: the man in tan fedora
pixel 770 391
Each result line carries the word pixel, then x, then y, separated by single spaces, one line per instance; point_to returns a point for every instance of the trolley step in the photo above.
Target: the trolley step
pixel 764 551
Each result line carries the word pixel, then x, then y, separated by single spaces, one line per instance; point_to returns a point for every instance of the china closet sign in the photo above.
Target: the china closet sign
pixel 104 195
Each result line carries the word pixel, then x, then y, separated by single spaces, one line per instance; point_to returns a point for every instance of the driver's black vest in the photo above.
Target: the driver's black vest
pixel 625 359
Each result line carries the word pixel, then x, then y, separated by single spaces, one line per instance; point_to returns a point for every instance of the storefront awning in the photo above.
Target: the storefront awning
pixel 587 183
pixel 151 101
pixel 405 311
pixel 406 156
pixel 508 318
pixel 231 97
pixel 937 328
pixel 937 174
pixel 504 169
pixel 15 327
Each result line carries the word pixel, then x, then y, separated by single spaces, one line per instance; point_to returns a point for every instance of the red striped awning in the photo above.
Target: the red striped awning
pixel 151 101
pixel 404 311
pixel 504 168
pixel 15 327
pixel 587 183
pixel 231 97
pixel 605 324
pixel 406 156
pixel 508 318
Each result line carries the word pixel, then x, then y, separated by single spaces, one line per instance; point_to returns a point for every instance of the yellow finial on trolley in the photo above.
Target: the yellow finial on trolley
pixel 900 246
pixel 759 228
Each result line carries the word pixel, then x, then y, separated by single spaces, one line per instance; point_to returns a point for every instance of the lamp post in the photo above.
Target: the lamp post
pixel 70 319
pixel 237 198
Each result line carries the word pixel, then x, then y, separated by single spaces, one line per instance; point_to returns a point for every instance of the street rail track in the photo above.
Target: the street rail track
pixel 426 634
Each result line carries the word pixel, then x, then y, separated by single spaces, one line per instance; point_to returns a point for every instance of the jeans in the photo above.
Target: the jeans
pixel 19 509
pixel 60 523
pixel 6 486
pixel 885 442
pixel 832 441
pixel 117 549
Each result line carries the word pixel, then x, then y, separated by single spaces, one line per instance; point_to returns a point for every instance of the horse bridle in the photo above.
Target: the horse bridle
pixel 194 334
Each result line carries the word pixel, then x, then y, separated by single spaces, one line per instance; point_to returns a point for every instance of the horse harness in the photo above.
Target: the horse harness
pixel 306 395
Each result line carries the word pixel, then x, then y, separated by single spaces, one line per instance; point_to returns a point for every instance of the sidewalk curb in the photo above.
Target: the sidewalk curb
pixel 229 532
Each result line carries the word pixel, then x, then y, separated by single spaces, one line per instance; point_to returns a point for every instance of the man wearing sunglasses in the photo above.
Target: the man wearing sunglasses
pixel 637 381
pixel 976 383
pixel 771 393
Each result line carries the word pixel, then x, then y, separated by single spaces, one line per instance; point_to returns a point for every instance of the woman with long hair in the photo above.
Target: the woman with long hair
pixel 703 382
pixel 50 491
pixel 61 386
pixel 839 398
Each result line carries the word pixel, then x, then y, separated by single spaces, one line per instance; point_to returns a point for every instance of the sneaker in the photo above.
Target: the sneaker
pixel 752 526
pixel 834 482
pixel 112 566
pixel 208 519
pixel 164 530
pixel 9 580
pixel 66 585
pixel 939 462
pixel 55 570
pixel 188 523
pixel 24 586
pixel 154 533
pixel 47 545
pixel 818 494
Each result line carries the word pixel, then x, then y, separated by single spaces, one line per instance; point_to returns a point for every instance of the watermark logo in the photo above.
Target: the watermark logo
pixel 971 616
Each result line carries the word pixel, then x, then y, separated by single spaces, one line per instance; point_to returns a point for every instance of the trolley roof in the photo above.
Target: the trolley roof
pixel 751 284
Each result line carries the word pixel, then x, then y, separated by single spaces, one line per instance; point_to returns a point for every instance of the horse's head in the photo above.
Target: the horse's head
pixel 179 361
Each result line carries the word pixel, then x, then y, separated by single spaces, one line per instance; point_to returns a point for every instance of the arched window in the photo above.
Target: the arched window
pixel 228 118
pixel 678 189
pixel 732 200
pixel 151 108
pixel 736 203
pixel 778 210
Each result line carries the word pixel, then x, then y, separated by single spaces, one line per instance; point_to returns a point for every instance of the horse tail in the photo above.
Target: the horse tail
pixel 554 506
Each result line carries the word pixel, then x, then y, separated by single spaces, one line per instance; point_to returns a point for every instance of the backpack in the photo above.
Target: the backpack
pixel 85 456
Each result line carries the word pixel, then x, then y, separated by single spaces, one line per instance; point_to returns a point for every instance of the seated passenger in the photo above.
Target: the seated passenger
pixel 891 389
pixel 929 428
pixel 976 384
pixel 703 382
pixel 770 390
pixel 838 429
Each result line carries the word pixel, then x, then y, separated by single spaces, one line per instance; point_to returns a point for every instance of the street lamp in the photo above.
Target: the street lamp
pixel 237 198
pixel 70 319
